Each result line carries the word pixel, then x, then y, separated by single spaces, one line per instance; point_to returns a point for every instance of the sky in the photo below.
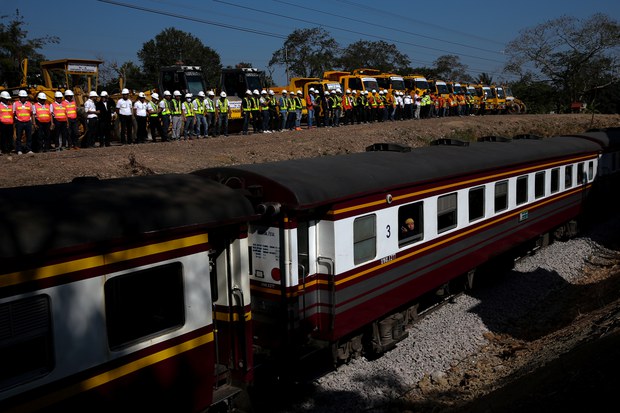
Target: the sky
pixel 250 31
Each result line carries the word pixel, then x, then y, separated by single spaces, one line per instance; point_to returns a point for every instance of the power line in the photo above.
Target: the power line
pixel 390 28
pixel 350 31
pixel 194 19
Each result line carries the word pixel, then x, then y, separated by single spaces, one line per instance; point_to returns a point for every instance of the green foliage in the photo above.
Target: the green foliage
pixel 376 55
pixel 540 97
pixel 172 46
pixel 485 79
pixel 579 58
pixel 307 53
pixel 450 68
pixel 15 47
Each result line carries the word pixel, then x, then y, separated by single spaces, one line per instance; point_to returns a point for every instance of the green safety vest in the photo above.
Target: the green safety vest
pixel 166 110
pixel 153 114
pixel 209 106
pixel 200 106
pixel 189 108
pixel 247 107
pixel 176 107
pixel 223 106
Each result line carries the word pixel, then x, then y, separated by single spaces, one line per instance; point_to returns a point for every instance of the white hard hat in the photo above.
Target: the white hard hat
pixel 348 90
pixel 125 91
pixel 22 94
pixel 374 91
pixel 201 94
pixel 5 95
pixel 42 95
pixel 167 93
pixel 327 92
pixel 339 90
pixel 92 94
pixel 248 92
pixel 155 96
pixel 355 92
pixel 381 92
pixel 271 92
pixel 210 93
pixel 68 92
pixel 104 93
pixel 311 89
pixel 176 93
pixel 333 92
pixel 223 94
pixel 299 92
pixel 284 92
pixel 141 95
pixel 263 92
pixel 188 95
pixel 256 92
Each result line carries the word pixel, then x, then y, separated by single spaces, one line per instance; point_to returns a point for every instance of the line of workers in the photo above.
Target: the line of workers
pixel 41 126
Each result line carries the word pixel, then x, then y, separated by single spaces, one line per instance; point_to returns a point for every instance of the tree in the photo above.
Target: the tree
pixel 373 55
pixel 172 46
pixel 578 57
pixel 15 47
pixel 449 67
pixel 307 53
pixel 485 78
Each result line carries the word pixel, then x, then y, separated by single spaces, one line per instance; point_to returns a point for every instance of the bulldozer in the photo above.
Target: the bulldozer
pixel 513 105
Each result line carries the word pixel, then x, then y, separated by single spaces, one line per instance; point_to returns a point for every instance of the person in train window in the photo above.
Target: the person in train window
pixel 409 228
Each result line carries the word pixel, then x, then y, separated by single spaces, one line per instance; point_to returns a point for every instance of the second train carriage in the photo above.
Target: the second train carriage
pixel 127 294
pixel 330 264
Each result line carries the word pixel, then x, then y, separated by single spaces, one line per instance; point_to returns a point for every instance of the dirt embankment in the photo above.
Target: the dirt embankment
pixel 186 156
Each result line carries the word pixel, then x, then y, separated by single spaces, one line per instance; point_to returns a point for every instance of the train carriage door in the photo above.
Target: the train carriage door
pixel 306 271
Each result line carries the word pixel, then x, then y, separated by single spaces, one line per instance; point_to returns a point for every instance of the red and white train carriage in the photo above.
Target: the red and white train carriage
pixel 127 294
pixel 330 264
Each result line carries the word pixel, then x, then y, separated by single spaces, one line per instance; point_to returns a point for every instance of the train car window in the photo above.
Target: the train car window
pixel 580 173
pixel 26 347
pixel 303 250
pixel 568 176
pixel 539 184
pixel 521 190
pixel 555 180
pixel 411 223
pixel 364 238
pixel 501 196
pixel 143 303
pixel 590 170
pixel 446 212
pixel 476 203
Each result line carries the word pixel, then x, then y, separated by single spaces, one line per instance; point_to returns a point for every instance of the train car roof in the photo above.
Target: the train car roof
pixel 307 183
pixel 608 138
pixel 46 217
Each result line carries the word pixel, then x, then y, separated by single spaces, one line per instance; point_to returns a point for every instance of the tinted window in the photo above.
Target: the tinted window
pixel 446 212
pixel 580 173
pixel 521 190
pixel 568 176
pixel 364 239
pixel 501 196
pixel 26 348
pixel 539 184
pixel 590 170
pixel 555 180
pixel 143 303
pixel 476 203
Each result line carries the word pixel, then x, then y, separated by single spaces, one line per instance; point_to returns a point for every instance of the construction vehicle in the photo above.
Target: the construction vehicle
pixel 388 82
pixel 416 84
pixel 79 75
pixel 513 105
pixel 438 88
pixel 235 82
pixel 455 88
pixel 353 81
pixel 499 99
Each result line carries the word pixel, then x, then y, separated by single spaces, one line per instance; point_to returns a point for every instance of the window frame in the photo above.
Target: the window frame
pixel 448 211
pixel 496 197
pixel 357 259
pixel 482 202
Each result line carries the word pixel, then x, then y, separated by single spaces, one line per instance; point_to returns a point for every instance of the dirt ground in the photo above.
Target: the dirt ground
pixel 570 361
pixel 185 156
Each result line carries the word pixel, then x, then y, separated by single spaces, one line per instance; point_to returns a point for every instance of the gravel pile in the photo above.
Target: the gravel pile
pixel 456 330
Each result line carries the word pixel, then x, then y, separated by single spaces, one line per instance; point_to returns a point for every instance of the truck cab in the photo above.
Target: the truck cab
pixel 185 79
pixel 235 82
pixel 355 81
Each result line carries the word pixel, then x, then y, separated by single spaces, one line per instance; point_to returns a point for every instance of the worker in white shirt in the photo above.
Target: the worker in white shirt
pixel 139 111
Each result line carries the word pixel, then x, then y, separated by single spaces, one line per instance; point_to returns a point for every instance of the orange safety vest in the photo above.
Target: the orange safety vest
pixel 346 103
pixel 6 114
pixel 71 109
pixel 60 112
pixel 43 112
pixel 23 111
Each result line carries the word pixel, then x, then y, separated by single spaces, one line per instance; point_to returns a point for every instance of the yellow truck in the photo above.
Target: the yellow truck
pixel 416 84
pixel 354 81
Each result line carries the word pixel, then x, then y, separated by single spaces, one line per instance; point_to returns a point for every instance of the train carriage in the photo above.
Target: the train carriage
pixel 331 261
pixel 126 293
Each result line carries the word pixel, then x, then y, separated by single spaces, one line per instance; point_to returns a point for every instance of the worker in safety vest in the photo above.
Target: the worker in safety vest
pixel 274 120
pixel 310 107
pixel 246 111
pixel 210 113
pixel 42 123
pixel 222 105
pixel 347 107
pixel 23 123
pixel 200 121
pixel 165 111
pixel 6 123
pixel 299 105
pixel 257 125
pixel 176 113
pixel 283 105
pixel 188 117
pixel 264 109
pixel 154 116
pixel 72 120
